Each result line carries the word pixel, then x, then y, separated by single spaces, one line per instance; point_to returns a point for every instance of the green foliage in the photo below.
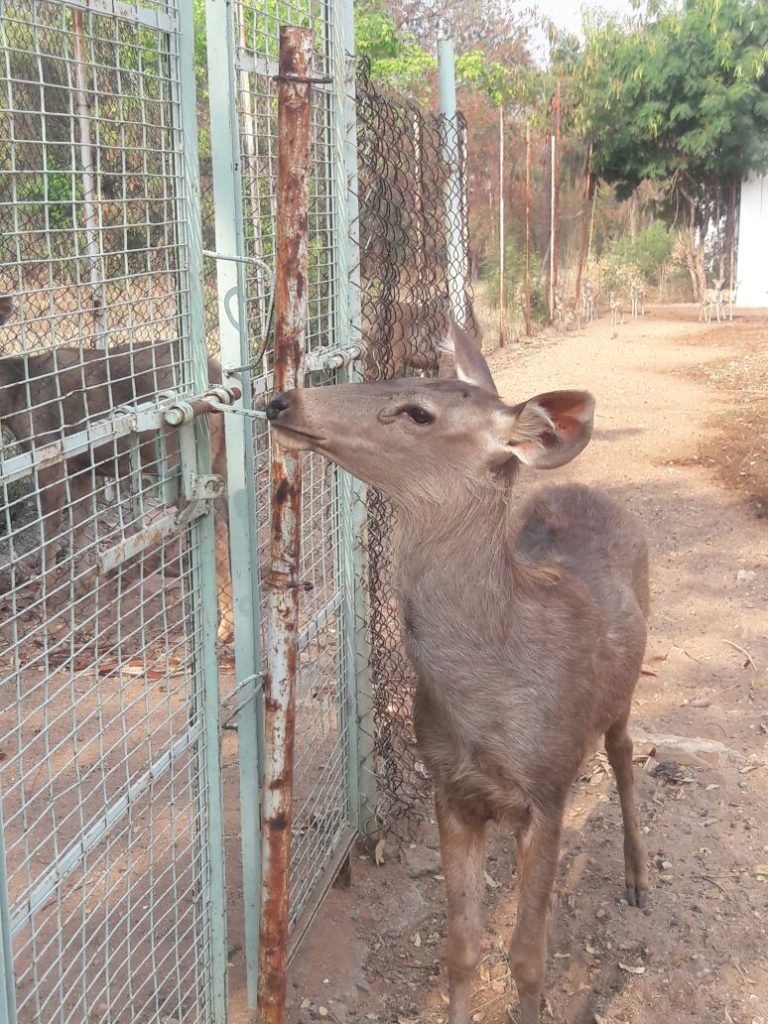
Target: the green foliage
pixel 516 87
pixel 683 96
pixel 645 254
pixel 396 58
pixel 55 192
pixel 514 277
pixel 495 80
pixel 201 52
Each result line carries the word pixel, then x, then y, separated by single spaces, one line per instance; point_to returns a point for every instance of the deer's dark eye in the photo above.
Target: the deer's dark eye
pixel 419 415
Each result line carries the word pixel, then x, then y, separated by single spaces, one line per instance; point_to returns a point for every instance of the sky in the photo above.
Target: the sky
pixel 567 13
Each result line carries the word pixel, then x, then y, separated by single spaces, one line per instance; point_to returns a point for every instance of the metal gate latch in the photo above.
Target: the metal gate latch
pixel 202 491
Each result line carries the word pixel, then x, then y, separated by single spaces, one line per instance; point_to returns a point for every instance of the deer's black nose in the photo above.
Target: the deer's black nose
pixel 276 406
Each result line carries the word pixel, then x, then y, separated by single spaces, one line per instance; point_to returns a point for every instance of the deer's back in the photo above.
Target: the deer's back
pixel 593 539
pixel 52 394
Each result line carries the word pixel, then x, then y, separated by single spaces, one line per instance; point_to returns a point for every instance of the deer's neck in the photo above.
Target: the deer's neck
pixel 468 539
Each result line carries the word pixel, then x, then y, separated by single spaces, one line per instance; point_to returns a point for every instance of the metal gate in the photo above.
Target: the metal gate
pixel 333 777
pixel 114 535
pixel 112 895
pixel 111 876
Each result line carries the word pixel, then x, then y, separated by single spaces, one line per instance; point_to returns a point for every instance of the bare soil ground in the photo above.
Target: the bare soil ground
pixel 681 433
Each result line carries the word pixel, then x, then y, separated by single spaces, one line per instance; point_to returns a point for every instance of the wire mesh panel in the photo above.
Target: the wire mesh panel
pixel 413 263
pixel 321 793
pixel 105 637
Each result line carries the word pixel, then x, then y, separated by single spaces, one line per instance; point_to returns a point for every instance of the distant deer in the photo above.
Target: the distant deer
pixel 588 302
pixel 566 312
pixel 637 297
pixel 526 626
pixel 559 308
pixel 617 310
pixel 728 298
pixel 712 298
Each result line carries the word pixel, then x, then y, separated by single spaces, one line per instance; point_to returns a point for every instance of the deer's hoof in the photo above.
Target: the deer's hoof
pixel 637 897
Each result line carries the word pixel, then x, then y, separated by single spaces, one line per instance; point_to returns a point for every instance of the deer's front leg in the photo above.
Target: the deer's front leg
pixel 538 850
pixel 462 849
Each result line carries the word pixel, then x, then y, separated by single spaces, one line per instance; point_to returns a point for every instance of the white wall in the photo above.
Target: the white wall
pixel 751 256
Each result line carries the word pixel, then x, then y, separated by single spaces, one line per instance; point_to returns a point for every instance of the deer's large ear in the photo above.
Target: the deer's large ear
pixel 551 429
pixel 471 367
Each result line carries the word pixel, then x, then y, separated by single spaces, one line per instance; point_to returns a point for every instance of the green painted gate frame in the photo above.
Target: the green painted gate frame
pixel 349 495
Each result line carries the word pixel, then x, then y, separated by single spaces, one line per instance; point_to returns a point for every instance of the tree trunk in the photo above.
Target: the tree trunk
pixel 731 231
pixel 694 283
pixel 720 244
pixel 584 219
pixel 694 254
pixel 633 216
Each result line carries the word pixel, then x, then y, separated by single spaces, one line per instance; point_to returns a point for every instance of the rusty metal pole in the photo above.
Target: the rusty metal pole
pixel 552 215
pixel 584 220
pixel 556 194
pixel 528 228
pixel 501 226
pixel 282 583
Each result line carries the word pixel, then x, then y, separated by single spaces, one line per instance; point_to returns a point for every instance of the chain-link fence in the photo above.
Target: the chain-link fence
pixel 414 274
pixel 109 684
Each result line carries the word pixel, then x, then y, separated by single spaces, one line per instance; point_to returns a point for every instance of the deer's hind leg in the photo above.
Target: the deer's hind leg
pixel 618 747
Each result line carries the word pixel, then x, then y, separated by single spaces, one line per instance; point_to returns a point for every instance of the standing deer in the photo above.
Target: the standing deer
pixel 558 308
pixel 617 310
pixel 712 298
pixel 637 297
pixel 588 302
pixel 526 626
pixel 566 312
pixel 728 298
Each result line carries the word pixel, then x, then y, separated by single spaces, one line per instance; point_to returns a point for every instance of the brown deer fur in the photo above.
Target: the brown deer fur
pixel 53 394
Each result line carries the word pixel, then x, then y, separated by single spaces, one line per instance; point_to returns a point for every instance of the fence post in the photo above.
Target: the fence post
pixel 293 165
pixel 501 226
pixel 88 165
pixel 202 535
pixel 528 227
pixel 552 215
pixel 7 980
pixel 238 432
pixel 351 493
pixel 556 195
pixel 454 229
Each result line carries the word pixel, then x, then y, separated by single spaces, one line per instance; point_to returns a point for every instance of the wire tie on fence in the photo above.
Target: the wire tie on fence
pixel 304 79
pixel 282 581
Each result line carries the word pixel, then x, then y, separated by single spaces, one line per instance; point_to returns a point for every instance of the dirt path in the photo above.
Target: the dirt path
pixel 699 954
